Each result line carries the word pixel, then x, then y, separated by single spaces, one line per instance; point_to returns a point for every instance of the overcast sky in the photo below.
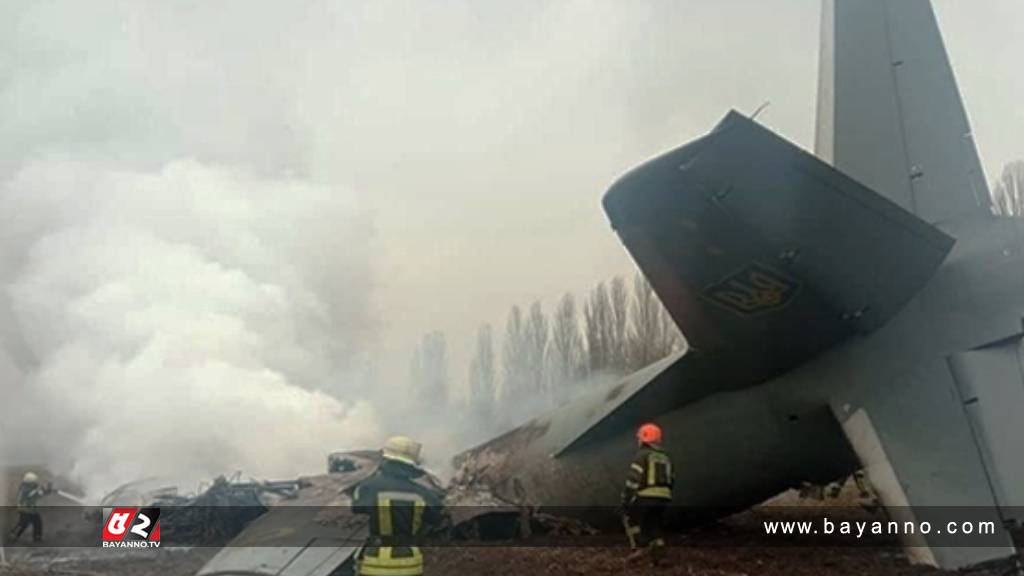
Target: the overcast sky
pixel 477 135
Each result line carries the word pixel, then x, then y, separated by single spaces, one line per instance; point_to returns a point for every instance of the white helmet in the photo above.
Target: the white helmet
pixel 30 478
pixel 402 449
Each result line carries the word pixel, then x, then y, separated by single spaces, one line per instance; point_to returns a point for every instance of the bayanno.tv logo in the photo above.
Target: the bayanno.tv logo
pixel 131 527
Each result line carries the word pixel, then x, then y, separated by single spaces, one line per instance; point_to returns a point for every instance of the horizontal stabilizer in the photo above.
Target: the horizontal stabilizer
pixel 764 254
pixel 678 379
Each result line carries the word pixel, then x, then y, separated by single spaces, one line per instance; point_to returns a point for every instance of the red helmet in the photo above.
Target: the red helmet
pixel 649 434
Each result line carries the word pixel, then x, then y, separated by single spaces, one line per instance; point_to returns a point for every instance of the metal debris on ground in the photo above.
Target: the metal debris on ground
pixel 214 515
pixel 222 510
pixel 552 525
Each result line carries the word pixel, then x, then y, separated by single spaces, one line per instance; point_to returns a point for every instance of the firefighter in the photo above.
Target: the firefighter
pixel 402 503
pixel 29 494
pixel 647 494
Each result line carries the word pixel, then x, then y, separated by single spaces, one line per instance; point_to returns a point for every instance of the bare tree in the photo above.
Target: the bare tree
pixel 1008 191
pixel 536 339
pixel 567 354
pixel 653 334
pixel 597 321
pixel 606 321
pixel 514 354
pixel 618 321
pixel 429 369
pixel 482 375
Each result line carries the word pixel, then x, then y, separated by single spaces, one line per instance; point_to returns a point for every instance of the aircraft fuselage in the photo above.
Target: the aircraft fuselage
pixel 737 448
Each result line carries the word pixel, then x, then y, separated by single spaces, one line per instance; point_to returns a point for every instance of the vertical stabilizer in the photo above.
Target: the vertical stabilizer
pixel 889 111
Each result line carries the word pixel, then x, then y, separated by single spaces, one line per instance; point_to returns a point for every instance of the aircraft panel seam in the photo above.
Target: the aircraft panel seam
pixel 892 64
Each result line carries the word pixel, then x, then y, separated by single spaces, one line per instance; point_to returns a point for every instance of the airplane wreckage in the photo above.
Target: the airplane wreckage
pixel 860 308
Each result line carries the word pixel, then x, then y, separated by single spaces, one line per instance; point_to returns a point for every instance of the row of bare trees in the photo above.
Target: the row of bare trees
pixel 621 329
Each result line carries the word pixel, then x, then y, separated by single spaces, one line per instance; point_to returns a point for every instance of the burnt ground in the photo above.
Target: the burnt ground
pixel 99 562
pixel 679 561
pixel 733 547
pixel 705 552
pixel 534 561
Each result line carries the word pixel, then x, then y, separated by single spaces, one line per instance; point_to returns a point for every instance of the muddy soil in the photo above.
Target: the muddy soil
pixel 733 547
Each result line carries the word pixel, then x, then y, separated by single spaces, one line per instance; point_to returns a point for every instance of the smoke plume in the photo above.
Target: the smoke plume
pixel 181 322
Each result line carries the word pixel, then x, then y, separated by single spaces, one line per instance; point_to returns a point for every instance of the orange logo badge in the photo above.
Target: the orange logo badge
pixel 753 290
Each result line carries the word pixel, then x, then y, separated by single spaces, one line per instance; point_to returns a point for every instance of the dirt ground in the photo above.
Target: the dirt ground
pixel 733 547
pixel 98 562
pixel 533 561
pixel 699 553
pixel 679 562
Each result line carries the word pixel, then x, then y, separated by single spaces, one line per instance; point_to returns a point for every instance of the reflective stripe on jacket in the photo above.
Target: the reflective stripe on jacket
pixel 400 506
pixel 650 476
pixel 391 561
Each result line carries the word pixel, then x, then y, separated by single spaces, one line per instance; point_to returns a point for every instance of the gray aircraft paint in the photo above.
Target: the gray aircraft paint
pixel 889 112
pixel 988 380
pixel 810 297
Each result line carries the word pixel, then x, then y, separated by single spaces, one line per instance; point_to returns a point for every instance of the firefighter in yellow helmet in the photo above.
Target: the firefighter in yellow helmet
pixel 402 504
pixel 29 493
pixel 647 494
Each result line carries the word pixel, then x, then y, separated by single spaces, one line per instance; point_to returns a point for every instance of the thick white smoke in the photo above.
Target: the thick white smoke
pixel 182 322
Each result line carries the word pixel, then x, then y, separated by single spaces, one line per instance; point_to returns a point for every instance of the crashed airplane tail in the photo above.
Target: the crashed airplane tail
pixel 766 257
pixel 753 245
pixel 859 315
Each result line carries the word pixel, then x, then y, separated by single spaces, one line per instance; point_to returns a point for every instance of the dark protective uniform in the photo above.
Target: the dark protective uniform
pixel 401 504
pixel 646 496
pixel 29 494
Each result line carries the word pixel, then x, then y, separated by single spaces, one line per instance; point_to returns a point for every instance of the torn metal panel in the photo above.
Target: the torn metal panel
pixel 315 532
pixel 353 461
pixel 291 541
pixel 312 534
